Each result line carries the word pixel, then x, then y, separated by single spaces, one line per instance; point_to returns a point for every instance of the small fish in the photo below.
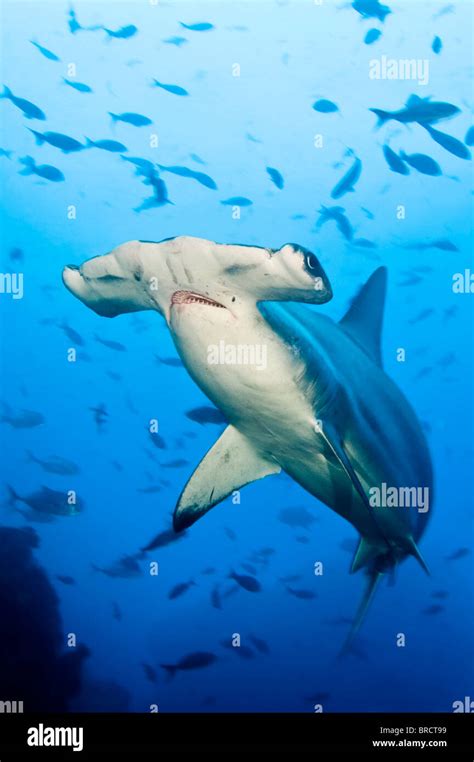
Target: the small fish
pixel 444 11
pixel 6 154
pixel 441 243
pixel 395 163
pixel 449 143
pixel 323 106
pixel 65 143
pixel 152 489
pixel 276 177
pixel 252 138
pixel 216 598
pixel 304 595
pixel 422 163
pixel 174 89
pixel 111 344
pixel 346 184
pixel 195 660
pixel 421 110
pixel 178 590
pixel 49 501
pixel 107 145
pixel 372 36
pixel 336 213
pixel 100 415
pixel 21 419
pixel 440 594
pixel 79 86
pixel 436 45
pixel 302 539
pixel 296 517
pixel 206 414
pixel 73 335
pixel 469 139
pixel 143 166
pixel 208 570
pixel 371 9
pixel 16 254
pixel 54 464
pixel 176 463
pixel 150 673
pixel 251 584
pixel 237 201
pixel 205 180
pixel 163 539
pixel 248 567
pixel 160 191
pixel 457 554
pixel 290 578
pixel 124 33
pixel 157 440
pixel 178 41
pixel 137 120
pixel 421 315
pixel 436 608
pixel 46 171
pixel 173 362
pixel 260 644
pixel 116 611
pixel 125 568
pixel 45 52
pixel 29 109
pixel 364 243
pixel 203 26
pixel 370 215
pixel 450 312
pixel 230 533
pixel 197 158
pixel 66 579
pixel 245 652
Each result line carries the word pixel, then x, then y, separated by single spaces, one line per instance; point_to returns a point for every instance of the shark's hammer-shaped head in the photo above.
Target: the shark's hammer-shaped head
pixel 185 271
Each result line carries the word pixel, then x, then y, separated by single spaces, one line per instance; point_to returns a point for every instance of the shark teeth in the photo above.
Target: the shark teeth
pixel 189 297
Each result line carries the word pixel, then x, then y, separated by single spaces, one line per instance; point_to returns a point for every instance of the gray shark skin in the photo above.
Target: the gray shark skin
pixel 322 409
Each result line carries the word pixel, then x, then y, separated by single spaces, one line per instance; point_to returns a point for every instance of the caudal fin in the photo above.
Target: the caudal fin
pixel 29 163
pixel 7 93
pixel 39 138
pixel 373 580
pixel 381 115
pixel 170 669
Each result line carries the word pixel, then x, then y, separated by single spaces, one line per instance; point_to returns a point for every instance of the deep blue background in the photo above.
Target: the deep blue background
pixel 290 54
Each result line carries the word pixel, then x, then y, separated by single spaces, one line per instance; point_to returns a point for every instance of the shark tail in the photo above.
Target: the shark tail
pixel 382 116
pixel 372 583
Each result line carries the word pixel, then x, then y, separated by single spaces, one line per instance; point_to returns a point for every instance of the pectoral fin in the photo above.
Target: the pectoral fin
pixel 231 463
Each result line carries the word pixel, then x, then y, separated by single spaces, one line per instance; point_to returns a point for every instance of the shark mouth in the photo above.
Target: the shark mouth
pixel 189 297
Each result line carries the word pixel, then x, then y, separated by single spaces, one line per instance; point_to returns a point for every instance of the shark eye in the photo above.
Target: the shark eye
pixel 311 261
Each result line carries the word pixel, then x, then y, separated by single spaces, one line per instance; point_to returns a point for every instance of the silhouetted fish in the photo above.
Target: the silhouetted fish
pixel 45 52
pixel 436 608
pixel 195 660
pixel 174 89
pixel 336 213
pixel 449 143
pixel 230 533
pixel 178 590
pixel 457 554
pixel 200 177
pixel 469 139
pixel 65 143
pixel 276 177
pixel 305 595
pixel 323 106
pixel 46 171
pixel 216 598
pixel 150 673
pixel 54 464
pixel 125 568
pixel 206 414
pixel 157 440
pixel 421 110
pixel 395 163
pixel 110 343
pixel 113 146
pixel 251 584
pixel 178 41
pixel 47 500
pixel 173 362
pixel 203 26
pixel 422 315
pixel 371 9
pixel 260 644
pixel 346 184
pixel 136 120
pixel 20 419
pixel 372 36
pixel 440 594
pixel 66 579
pixel 29 109
pixel 124 33
pixel 79 86
pixel 116 611
pixel 237 201
pixel 422 163
pixel 436 45
pixel 296 516
pixel 176 463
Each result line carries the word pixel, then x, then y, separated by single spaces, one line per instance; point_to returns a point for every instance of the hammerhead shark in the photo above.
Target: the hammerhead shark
pixel 320 408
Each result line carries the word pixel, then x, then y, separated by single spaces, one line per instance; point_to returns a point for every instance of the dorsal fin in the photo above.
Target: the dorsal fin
pixel 363 320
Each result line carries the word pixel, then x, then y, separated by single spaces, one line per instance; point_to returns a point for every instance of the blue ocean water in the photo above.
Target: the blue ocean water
pixel 252 80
